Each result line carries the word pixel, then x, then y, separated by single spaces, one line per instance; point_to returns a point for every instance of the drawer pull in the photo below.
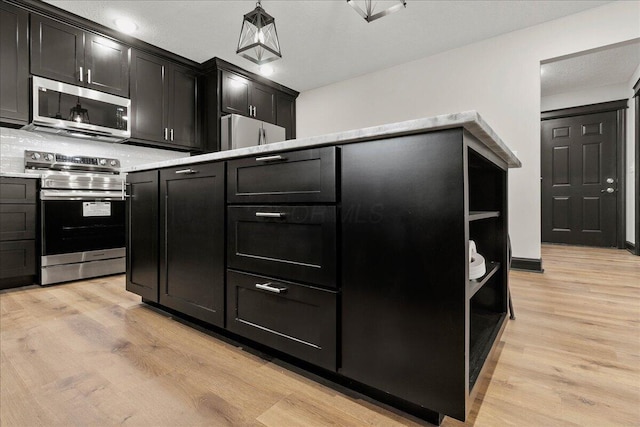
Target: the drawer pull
pixel 270 214
pixel 270 158
pixel 268 287
pixel 186 171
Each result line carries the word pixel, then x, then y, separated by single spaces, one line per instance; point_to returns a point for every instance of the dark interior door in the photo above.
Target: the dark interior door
pixel 579 180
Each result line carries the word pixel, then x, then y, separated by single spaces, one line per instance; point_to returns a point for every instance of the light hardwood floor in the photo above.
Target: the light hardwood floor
pixel 89 353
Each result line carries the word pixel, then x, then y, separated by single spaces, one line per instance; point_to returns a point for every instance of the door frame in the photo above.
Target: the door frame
pixel 619 107
pixel 636 98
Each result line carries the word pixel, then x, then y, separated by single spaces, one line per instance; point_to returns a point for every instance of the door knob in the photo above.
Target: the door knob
pixel 609 180
pixel 608 190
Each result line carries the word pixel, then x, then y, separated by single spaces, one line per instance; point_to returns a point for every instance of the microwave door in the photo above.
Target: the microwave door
pixel 272 133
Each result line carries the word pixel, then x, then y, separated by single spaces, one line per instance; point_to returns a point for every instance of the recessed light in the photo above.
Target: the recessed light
pixel 126 25
pixel 266 70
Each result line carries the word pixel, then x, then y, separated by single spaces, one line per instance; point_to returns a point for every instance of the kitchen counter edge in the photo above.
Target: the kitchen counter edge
pixel 469 120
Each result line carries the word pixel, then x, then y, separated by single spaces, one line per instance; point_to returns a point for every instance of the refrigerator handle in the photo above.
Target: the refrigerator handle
pixel 260 136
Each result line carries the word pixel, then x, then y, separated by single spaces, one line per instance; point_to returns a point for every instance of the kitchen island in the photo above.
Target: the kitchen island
pixel 346 254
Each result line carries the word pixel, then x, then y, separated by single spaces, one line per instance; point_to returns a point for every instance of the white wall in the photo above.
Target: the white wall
pixel 630 167
pixel 585 96
pixel 498 77
pixel 14 142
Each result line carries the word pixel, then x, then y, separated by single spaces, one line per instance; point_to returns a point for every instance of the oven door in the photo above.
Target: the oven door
pixel 82 229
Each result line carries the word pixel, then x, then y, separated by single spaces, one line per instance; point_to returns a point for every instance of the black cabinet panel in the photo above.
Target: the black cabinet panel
pixel 17 190
pixel 296 243
pixel 107 64
pixel 296 319
pixel 17 258
pixel 235 94
pixel 192 241
pixel 307 176
pixel 149 97
pixel 57 50
pixel 263 100
pixel 142 234
pixel 403 268
pixel 14 65
pixel 286 114
pixel 17 222
pixel 183 109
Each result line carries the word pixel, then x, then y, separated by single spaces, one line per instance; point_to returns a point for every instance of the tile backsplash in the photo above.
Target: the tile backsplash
pixel 14 142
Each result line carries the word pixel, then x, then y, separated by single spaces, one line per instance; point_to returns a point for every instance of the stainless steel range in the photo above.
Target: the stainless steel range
pixel 82 216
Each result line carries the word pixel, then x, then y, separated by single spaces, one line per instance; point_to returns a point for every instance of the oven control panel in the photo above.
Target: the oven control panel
pixel 55 161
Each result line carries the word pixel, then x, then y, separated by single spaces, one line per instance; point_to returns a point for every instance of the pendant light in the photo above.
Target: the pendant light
pixel 258 37
pixel 369 13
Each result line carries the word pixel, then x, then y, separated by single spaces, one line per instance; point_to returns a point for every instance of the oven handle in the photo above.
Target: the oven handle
pixel 80 195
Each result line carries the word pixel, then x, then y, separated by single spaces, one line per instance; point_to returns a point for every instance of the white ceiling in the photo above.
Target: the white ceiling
pixel 602 67
pixel 323 41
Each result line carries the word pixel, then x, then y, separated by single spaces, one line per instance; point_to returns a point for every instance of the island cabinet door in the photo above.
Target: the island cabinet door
pixel 192 241
pixel 296 319
pixel 142 234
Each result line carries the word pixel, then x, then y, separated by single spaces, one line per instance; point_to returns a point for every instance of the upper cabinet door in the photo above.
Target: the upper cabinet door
pixel 183 110
pixel 235 94
pixel 149 97
pixel 263 100
pixel 57 51
pixel 107 65
pixel 14 65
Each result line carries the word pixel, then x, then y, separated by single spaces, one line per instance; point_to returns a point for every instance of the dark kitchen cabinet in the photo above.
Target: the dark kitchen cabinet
pixel 142 234
pixel 290 242
pixel 164 103
pixel 228 89
pixel 241 95
pixel 18 231
pixel 296 319
pixel 192 241
pixel 306 176
pixel 68 54
pixel 410 205
pixel 14 65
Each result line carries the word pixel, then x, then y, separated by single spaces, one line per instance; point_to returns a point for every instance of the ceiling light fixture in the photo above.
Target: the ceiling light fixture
pixel 368 12
pixel 126 25
pixel 258 37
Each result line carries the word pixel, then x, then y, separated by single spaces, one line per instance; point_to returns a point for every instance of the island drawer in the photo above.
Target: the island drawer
pixel 296 319
pixel 17 222
pixel 17 190
pixel 290 242
pixel 307 176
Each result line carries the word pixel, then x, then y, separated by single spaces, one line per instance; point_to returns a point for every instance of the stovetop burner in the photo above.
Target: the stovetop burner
pixel 38 160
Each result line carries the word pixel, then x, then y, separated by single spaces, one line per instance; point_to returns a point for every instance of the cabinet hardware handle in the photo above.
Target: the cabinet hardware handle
pixel 81 74
pixel 269 288
pixel 89 75
pixel 186 171
pixel 255 111
pixel 166 134
pixel 270 214
pixel 270 158
pixel 171 133
pixel 608 190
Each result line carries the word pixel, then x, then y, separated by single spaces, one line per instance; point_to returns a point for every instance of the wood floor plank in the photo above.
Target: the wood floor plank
pixel 90 353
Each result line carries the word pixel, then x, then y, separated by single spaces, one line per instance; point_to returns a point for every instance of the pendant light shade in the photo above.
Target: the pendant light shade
pixel 79 114
pixel 366 8
pixel 258 37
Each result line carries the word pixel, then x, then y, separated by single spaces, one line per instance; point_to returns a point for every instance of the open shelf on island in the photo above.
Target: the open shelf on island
pixel 476 284
pixel 476 215
pixel 485 326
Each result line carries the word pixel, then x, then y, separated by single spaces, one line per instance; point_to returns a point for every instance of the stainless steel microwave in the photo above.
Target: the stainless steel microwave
pixel 79 112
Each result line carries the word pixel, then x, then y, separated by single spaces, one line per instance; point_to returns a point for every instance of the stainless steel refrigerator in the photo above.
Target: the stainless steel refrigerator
pixel 238 131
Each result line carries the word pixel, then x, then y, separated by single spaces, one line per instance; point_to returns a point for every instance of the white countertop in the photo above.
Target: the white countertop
pixel 19 175
pixel 469 120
